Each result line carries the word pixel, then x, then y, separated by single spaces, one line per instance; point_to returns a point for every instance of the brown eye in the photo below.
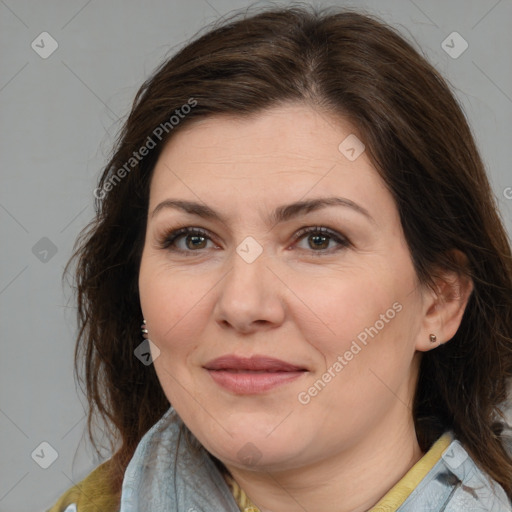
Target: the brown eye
pixel 319 239
pixel 194 240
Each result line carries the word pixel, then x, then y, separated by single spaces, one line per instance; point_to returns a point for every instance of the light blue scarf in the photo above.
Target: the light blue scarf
pixel 169 474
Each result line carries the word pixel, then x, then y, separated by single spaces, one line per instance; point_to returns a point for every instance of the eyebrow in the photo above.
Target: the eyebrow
pixel 280 214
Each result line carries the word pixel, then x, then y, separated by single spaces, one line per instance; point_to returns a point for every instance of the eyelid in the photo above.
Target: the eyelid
pixel 170 236
pixel 342 241
pixel 320 229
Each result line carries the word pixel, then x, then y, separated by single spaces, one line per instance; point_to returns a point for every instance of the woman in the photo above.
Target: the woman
pixel 298 215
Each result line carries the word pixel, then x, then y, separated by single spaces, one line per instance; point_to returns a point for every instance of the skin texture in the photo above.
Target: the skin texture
pixel 303 301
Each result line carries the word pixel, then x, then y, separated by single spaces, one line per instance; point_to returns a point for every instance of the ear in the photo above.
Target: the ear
pixel 444 307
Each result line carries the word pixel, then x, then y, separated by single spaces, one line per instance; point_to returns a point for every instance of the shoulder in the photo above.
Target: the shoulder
pixel 459 484
pixel 93 493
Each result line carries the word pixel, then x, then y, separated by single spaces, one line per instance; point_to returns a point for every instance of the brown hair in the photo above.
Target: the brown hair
pixel 352 66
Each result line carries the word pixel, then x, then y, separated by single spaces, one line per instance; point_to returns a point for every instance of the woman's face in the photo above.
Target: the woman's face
pixel 287 333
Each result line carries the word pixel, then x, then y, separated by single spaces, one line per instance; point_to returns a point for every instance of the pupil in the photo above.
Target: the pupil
pixel 318 237
pixel 195 237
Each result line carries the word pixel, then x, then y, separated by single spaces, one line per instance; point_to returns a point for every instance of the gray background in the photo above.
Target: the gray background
pixel 59 118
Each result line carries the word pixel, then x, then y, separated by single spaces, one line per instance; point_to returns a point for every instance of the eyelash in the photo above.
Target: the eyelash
pixel 170 238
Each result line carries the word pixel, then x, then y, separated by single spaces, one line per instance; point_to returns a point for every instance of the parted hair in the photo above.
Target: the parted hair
pixel 348 64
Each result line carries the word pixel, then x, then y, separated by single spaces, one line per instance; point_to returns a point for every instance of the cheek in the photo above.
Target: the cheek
pixel 364 321
pixel 172 306
pixel 341 309
pixel 168 299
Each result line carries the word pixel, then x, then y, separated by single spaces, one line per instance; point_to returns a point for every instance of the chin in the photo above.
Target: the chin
pixel 254 448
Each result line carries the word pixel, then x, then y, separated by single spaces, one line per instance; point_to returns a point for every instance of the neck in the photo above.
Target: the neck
pixel 351 481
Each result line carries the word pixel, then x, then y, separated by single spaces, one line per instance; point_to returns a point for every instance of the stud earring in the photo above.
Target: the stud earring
pixel 433 338
pixel 144 330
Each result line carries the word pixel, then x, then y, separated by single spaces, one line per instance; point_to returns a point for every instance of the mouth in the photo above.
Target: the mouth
pixel 252 375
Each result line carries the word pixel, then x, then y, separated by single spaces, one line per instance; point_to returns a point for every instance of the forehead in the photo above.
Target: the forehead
pixel 288 152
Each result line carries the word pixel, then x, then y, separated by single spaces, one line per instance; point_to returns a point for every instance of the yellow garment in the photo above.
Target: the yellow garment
pixel 92 494
pixel 391 500
pixel 404 487
pixel 242 500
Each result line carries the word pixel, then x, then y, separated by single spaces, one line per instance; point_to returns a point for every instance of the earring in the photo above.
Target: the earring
pixel 433 338
pixel 144 330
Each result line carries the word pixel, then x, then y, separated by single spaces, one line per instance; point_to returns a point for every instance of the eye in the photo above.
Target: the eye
pixel 194 239
pixel 319 238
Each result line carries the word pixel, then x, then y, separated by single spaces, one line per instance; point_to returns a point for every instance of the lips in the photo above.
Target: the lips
pixel 252 375
pixel 255 364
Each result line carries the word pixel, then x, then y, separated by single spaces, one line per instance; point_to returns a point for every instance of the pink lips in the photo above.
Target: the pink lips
pixel 251 375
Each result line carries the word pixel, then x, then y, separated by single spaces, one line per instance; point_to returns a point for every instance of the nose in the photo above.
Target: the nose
pixel 251 295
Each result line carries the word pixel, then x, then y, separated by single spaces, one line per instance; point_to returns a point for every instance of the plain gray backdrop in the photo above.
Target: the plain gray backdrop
pixel 60 113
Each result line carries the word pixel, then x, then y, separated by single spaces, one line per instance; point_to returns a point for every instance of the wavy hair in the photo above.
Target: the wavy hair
pixel 356 67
